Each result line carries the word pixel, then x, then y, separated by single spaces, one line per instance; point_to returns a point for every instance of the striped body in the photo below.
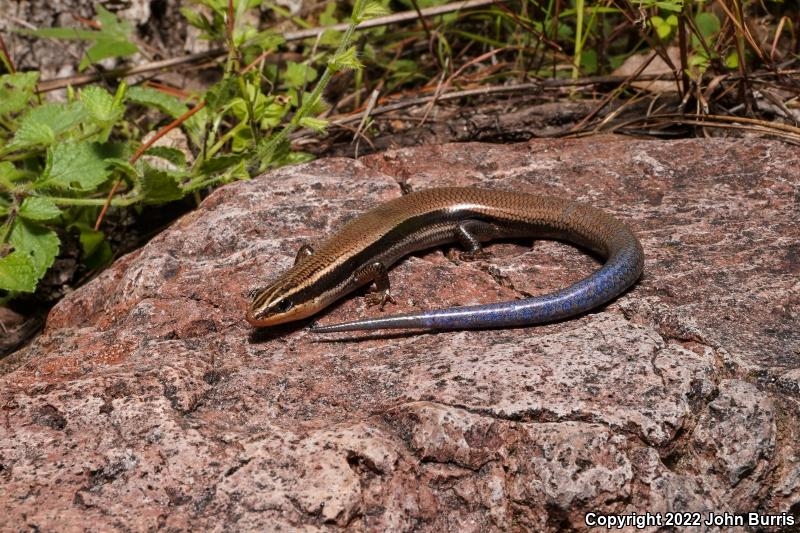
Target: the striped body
pixel 434 217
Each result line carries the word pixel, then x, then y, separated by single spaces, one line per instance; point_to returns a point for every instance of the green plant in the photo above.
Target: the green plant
pixel 63 164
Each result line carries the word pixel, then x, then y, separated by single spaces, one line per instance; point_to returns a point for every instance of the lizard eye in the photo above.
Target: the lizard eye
pixel 284 306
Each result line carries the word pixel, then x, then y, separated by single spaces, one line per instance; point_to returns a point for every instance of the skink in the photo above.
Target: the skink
pixel 363 249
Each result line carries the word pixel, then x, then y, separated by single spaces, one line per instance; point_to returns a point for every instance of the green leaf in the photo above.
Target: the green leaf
pixel 662 27
pixel 316 124
pixel 77 166
pixel 173 155
pixel 96 250
pixel 122 165
pixel 8 175
pixel 372 10
pixel 272 115
pixel 43 124
pixel 105 48
pixel 221 93
pixel 171 106
pixel 152 98
pixel 111 40
pixel 17 273
pixel 707 23
pixel 318 106
pixel 346 59
pixel 219 163
pixel 676 6
pixel 37 242
pixel 32 134
pixel 298 74
pixel 266 40
pixel 38 208
pixel 589 61
pixel 423 3
pixel 196 19
pixel 73 34
pixel 160 186
pixel 327 17
pixel 100 105
pixel 16 90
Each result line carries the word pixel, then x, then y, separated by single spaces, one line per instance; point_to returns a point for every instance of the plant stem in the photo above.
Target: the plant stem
pixel 576 62
pixel 117 202
pixel 225 138
pixel 305 109
pixel 6 229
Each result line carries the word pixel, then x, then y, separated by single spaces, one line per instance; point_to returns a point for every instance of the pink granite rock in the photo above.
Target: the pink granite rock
pixel 149 403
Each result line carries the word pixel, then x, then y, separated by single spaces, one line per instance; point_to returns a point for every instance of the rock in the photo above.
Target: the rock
pixel 149 403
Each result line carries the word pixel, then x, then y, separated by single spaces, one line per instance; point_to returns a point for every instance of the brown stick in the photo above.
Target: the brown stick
pixel 163 131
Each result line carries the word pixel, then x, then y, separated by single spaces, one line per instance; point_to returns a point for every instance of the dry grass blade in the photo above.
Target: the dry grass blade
pixel 613 94
pixel 787 133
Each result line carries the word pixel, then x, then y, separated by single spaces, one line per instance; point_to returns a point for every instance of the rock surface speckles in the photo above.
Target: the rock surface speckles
pixel 149 403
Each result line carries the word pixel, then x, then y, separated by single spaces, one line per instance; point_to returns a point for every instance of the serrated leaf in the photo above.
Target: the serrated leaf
pixel 196 18
pixel 122 165
pixel 266 40
pixel 16 90
pixel 219 163
pixel 76 166
pixel 43 124
pixel 37 242
pixel 298 74
pixel 173 155
pixel 316 124
pixel 423 3
pixel 221 93
pixel 32 134
pixel 319 105
pixel 331 38
pixel 374 9
pixel 38 208
pixel 160 186
pixel 17 273
pixel 152 98
pixel 346 59
pixel 8 175
pixel 272 115
pixel 171 106
pixel 100 105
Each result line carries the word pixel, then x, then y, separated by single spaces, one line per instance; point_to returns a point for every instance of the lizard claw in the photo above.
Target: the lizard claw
pixel 380 298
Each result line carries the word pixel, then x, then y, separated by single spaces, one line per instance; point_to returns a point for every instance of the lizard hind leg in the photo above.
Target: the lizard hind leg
pixel 469 233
